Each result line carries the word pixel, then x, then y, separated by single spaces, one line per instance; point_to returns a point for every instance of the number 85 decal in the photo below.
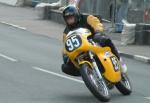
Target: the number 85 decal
pixel 73 43
pixel 115 63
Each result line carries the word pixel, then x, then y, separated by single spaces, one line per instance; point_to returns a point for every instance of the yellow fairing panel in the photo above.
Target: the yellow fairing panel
pixel 110 74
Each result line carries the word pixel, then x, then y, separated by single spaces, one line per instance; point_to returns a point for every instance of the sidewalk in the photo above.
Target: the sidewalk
pixel 27 18
pixel 141 53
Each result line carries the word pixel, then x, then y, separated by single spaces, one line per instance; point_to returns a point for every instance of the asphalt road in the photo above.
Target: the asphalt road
pixel 30 73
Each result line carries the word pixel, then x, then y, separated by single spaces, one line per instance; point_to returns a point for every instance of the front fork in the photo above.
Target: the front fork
pixel 96 69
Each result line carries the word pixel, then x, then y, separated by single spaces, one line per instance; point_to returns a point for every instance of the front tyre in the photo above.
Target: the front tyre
pixel 124 86
pixel 94 84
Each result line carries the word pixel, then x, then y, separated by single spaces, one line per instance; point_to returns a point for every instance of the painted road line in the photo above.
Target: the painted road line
pixel 13 25
pixel 141 58
pixel 56 74
pixel 8 58
pixel 147 98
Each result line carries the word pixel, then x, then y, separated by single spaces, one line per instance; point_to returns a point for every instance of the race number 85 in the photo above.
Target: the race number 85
pixel 115 63
pixel 73 43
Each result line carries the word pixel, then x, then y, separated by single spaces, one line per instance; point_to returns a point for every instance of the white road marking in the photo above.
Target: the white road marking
pixel 8 58
pixel 13 25
pixel 147 98
pixel 58 75
pixel 139 56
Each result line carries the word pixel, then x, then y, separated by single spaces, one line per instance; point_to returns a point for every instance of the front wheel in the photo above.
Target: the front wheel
pixel 94 84
pixel 124 86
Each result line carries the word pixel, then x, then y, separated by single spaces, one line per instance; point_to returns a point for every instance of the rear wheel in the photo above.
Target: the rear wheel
pixel 94 84
pixel 124 86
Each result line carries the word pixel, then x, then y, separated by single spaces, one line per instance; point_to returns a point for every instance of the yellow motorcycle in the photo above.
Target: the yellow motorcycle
pixel 99 67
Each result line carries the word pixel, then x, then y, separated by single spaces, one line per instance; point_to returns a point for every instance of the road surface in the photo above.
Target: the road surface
pixel 30 73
